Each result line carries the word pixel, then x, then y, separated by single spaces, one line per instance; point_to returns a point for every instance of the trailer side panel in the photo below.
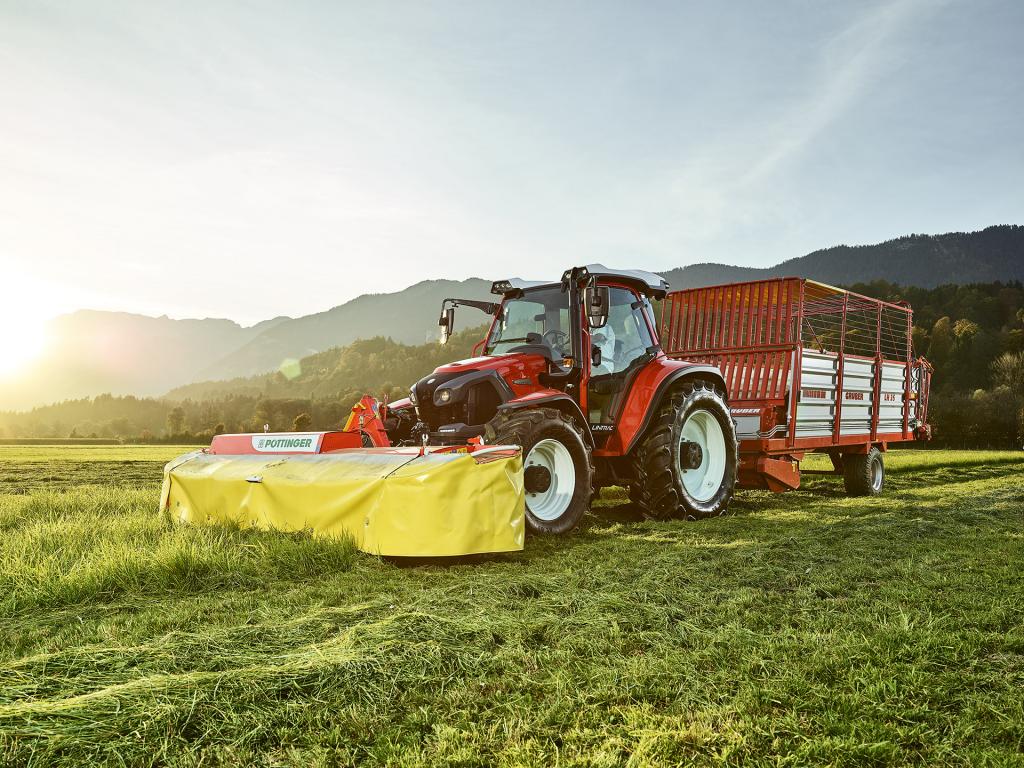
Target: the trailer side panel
pixel 809 367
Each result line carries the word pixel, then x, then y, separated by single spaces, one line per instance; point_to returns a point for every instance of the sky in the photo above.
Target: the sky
pixel 254 159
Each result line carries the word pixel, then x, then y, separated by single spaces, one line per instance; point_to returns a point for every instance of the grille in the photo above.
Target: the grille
pixel 425 389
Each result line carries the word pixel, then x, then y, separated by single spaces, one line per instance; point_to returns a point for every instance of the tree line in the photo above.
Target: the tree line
pixel 974 337
pixel 972 334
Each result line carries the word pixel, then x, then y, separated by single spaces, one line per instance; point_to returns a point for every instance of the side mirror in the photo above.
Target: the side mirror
pixel 595 301
pixel 447 323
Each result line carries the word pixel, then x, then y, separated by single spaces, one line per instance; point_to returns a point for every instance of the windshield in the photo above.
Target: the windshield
pixel 539 316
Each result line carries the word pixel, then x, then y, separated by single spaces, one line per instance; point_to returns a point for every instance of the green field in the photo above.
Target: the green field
pixel 803 629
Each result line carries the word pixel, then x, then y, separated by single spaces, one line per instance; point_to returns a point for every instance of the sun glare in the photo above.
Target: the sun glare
pixel 22 339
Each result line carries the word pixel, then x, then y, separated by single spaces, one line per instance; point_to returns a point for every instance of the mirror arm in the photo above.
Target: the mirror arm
pixel 488 307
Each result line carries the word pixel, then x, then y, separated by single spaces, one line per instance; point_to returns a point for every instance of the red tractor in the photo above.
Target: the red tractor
pixel 572 372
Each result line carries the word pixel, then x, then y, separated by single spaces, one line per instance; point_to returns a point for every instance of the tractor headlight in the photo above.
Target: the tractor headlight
pixel 444 395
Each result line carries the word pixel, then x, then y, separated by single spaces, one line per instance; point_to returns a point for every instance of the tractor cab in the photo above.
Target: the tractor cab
pixel 572 371
pixel 586 336
pixel 599 326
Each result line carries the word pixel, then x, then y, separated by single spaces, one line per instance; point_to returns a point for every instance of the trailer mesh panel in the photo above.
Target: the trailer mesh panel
pixel 752 330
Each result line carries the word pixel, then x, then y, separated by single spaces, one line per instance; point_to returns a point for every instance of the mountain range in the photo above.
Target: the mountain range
pixel 93 352
pixel 994 254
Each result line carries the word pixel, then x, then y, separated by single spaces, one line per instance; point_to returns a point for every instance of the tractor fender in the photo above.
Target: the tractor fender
pixel 649 388
pixel 551 398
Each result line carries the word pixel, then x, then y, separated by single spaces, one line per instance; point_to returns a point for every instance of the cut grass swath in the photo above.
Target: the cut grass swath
pixel 803 629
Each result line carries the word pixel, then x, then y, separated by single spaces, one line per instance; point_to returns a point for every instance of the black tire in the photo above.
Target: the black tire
pixel 528 427
pixel 659 491
pixel 864 473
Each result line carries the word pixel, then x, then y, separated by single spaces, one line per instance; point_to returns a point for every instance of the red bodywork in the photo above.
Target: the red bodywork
pixel 513 368
pixel 284 442
pixel 517 367
pixel 630 421
pixel 364 426
pixel 639 401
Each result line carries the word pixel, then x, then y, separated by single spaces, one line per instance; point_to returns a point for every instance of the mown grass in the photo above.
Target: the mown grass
pixel 802 629
pixel 95 544
pixel 24 469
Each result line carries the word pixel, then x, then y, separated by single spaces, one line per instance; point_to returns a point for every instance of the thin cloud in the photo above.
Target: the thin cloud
pixel 852 62
pixel 736 181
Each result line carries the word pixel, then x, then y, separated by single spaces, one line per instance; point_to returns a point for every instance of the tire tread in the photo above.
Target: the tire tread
pixel 857 473
pixel 655 491
pixel 516 427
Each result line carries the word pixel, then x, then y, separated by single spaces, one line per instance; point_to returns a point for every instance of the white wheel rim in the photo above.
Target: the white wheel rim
pixel 552 503
pixel 876 475
pixel 701 427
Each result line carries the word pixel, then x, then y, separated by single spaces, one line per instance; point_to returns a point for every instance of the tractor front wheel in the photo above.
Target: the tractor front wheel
pixel 557 466
pixel 686 463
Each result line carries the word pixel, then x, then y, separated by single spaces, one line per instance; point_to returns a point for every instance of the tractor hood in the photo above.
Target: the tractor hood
pixel 510 366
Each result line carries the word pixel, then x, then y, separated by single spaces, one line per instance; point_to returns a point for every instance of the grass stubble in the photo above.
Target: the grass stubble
pixel 802 629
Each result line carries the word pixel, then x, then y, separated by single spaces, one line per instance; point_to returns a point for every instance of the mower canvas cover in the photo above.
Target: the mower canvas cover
pixel 419 502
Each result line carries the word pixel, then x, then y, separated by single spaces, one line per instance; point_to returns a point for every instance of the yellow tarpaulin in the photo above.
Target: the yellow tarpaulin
pixel 391 502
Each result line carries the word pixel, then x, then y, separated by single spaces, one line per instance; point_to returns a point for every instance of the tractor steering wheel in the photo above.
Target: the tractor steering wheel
pixel 558 339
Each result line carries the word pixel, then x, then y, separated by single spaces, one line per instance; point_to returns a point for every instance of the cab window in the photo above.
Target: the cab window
pixel 540 315
pixel 623 340
pixel 625 337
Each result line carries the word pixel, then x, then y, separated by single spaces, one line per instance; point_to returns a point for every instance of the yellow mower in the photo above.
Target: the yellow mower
pixel 422 501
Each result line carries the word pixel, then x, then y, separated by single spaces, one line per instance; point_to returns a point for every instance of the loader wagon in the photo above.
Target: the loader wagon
pixel 808 367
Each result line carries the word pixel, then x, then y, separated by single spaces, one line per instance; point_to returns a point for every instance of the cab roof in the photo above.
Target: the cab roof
pixel 648 283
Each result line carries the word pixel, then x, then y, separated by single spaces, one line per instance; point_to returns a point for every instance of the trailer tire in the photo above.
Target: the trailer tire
pixel 661 490
pixel 554 452
pixel 864 473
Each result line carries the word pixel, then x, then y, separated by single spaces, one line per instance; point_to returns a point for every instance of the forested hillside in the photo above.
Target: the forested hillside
pixel 323 387
pixel 993 254
pixel 973 334
pixel 377 364
pixel 409 316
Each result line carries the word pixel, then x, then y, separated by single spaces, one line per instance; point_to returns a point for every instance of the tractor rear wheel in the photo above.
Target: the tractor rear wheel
pixel 686 463
pixel 557 466
pixel 864 473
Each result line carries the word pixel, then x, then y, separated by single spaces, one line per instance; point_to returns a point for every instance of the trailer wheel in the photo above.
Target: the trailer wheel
pixel 864 473
pixel 686 464
pixel 557 467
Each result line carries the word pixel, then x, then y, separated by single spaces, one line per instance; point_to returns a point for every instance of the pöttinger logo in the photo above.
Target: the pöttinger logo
pixel 295 443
